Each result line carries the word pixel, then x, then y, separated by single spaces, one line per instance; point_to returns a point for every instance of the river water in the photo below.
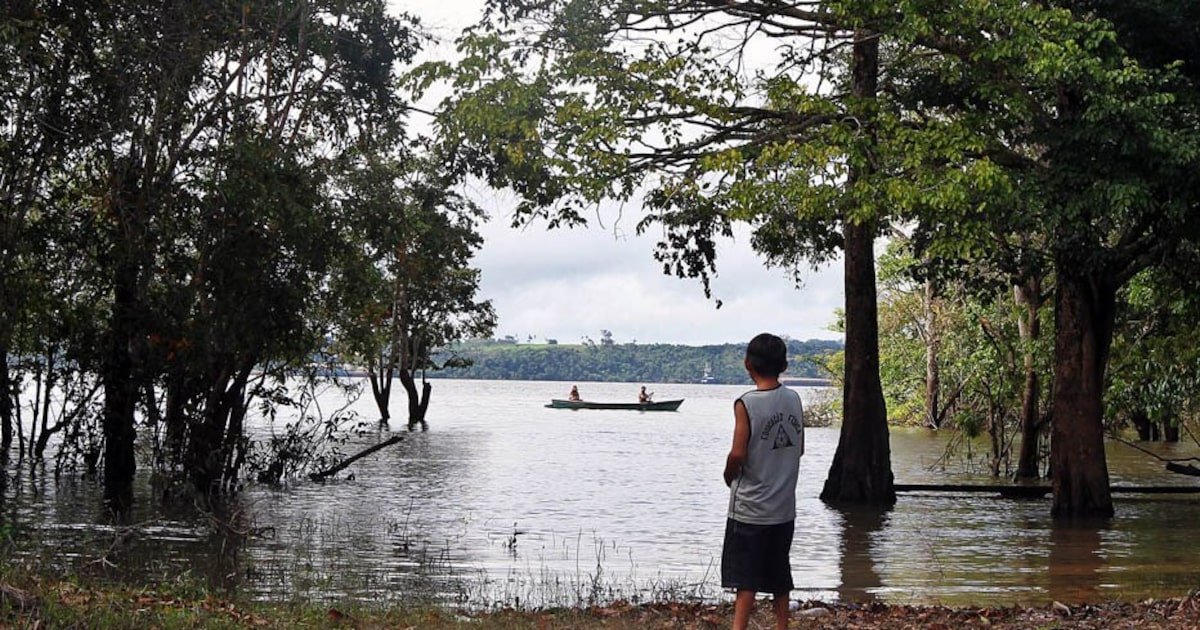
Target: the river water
pixel 506 502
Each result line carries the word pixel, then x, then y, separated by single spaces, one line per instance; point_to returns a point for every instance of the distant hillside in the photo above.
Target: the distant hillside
pixel 650 363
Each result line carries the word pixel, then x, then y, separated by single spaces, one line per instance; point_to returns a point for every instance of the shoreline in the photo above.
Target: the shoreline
pixel 37 601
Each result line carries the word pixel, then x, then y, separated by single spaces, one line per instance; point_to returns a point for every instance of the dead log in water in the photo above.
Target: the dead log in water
pixel 329 472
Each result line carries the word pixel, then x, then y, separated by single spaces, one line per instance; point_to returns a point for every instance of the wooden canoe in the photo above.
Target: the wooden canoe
pixel 665 405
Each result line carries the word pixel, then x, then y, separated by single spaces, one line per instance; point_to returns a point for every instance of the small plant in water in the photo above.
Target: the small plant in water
pixel 510 543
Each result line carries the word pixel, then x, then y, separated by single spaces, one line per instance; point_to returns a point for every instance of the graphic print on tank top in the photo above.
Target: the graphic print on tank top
pixel 782 439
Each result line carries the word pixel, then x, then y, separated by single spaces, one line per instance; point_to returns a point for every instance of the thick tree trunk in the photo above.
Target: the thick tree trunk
pixel 1029 327
pixel 861 472
pixel 1083 313
pixel 1146 429
pixel 418 402
pixel 120 392
pixel 933 379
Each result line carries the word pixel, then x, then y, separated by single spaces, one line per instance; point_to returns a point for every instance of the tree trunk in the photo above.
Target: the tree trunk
pixel 1084 310
pixel 1146 429
pixel 6 407
pixel 210 441
pixel 44 436
pixel 861 472
pixel 120 392
pixel 418 402
pixel 174 418
pixel 933 342
pixel 1029 327
pixel 381 379
pixel 1171 430
pixel 235 435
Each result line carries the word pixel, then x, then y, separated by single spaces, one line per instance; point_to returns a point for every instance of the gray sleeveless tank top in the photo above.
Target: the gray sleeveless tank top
pixel 765 492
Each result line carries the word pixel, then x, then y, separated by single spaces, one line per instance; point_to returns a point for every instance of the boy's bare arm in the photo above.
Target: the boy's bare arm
pixel 741 442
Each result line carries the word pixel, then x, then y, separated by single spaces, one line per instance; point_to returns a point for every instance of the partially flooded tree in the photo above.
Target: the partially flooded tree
pixel 571 104
pixel 1090 135
pixel 198 189
pixel 706 114
pixel 44 116
pixel 408 290
pixel 213 183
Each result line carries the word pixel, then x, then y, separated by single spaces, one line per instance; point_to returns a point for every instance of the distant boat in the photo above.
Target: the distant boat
pixel 802 381
pixel 665 405
pixel 708 378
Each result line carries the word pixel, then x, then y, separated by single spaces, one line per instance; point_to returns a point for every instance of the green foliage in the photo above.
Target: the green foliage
pixel 183 207
pixel 406 277
pixel 978 349
pixel 1155 367
pixel 648 363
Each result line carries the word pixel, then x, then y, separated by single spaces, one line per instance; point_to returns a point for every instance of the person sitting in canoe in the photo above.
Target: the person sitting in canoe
pixel 644 397
pixel 574 395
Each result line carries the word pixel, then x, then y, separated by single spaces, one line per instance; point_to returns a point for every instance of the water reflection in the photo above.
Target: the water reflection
pixel 860 579
pixel 503 498
pixel 1076 560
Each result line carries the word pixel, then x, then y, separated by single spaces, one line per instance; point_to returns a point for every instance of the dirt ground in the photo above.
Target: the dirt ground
pixel 1166 613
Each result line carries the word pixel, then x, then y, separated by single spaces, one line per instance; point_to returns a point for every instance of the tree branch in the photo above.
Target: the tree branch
pixel 329 472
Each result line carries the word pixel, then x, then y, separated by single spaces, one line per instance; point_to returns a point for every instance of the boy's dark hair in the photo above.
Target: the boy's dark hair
pixel 767 355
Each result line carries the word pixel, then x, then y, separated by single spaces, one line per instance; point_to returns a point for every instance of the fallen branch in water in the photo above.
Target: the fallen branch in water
pixel 329 472
pixel 1173 464
pixel 1183 469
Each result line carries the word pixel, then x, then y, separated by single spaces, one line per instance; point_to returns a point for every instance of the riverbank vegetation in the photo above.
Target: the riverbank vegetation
pixel 630 362
pixel 34 603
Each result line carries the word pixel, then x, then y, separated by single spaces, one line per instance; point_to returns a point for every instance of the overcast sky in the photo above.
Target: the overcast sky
pixel 567 284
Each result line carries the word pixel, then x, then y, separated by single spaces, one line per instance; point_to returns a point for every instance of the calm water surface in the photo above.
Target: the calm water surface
pixel 506 501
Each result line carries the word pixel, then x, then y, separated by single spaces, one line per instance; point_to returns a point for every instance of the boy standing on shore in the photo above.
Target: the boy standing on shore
pixel 761 472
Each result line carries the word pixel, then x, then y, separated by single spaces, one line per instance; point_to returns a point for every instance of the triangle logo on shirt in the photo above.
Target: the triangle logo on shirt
pixel 782 439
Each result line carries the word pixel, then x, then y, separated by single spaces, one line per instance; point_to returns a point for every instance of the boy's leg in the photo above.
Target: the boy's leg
pixel 781 610
pixel 742 607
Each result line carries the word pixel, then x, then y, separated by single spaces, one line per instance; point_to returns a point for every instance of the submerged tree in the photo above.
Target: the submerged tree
pixel 197 196
pixel 1095 142
pixel 1046 107
pixel 408 289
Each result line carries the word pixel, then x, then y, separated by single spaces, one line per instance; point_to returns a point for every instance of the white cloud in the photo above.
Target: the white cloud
pixel 565 284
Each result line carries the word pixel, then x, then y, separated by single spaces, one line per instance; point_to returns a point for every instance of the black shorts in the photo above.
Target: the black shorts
pixel 757 557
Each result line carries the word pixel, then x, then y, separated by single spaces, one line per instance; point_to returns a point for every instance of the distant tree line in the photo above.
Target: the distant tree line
pixel 648 363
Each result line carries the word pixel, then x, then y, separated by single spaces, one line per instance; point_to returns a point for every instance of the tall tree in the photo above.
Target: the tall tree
pixel 1100 145
pixel 44 112
pixel 408 289
pixel 679 107
pixel 202 176
pixel 861 471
